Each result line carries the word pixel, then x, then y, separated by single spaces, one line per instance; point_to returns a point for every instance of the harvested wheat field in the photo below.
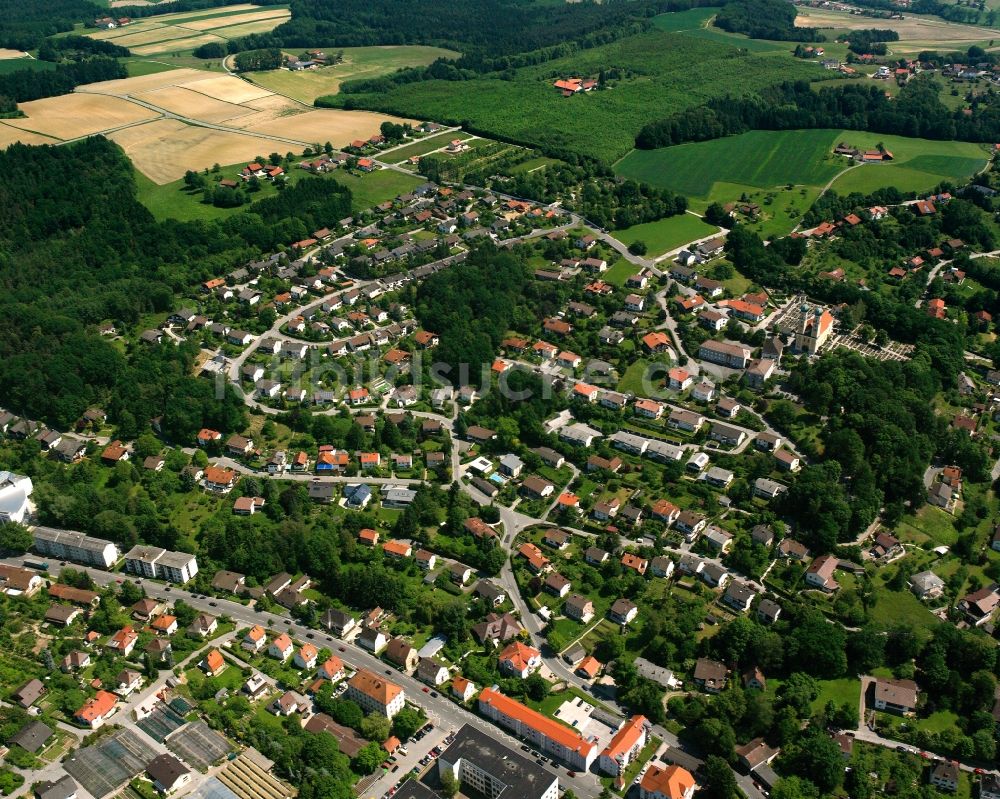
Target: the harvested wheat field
pixel 205 12
pixel 184 102
pixel 176 44
pixel 6 53
pixel 338 127
pixel 151 36
pixel 260 26
pixel 912 29
pixel 72 115
pixel 165 149
pixel 128 30
pixel 9 135
pixel 236 19
pixel 145 83
pixel 228 88
pixel 275 102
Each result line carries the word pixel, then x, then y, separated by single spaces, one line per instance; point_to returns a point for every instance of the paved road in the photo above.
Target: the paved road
pixel 441 710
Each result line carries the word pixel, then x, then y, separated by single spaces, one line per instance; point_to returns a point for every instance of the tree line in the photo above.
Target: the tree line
pixel 917 111
pixel 29 84
pixel 489 27
pixel 764 19
pixel 870 40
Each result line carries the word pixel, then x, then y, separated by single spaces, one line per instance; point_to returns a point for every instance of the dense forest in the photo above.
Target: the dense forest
pixel 917 111
pixel 764 19
pixel 470 27
pixel 77 248
pixel 471 306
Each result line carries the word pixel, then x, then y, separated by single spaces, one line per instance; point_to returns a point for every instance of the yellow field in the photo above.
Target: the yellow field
pixel 339 127
pixel 70 116
pixel 260 26
pixel 165 149
pixel 228 88
pixel 235 19
pixel 128 30
pixel 272 102
pixel 6 54
pixel 913 31
pixel 161 34
pixel 187 30
pixel 206 12
pixel 183 101
pixel 359 62
pixel 9 135
pixel 144 83
pixel 176 44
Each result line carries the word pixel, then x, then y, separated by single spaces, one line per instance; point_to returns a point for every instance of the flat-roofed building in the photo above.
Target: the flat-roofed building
pixel 161 564
pixel 74 546
pixel 494 770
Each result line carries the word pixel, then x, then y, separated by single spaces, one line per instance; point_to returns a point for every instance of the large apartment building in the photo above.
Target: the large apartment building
pixel 494 770
pixel 624 747
pixel 161 564
pixel 374 694
pixel 547 735
pixel 77 547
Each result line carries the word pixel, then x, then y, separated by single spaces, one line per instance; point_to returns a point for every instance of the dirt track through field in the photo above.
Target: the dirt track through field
pixel 234 19
pixel 9 135
pixel 165 149
pixel 73 115
pixel 184 102
pixel 338 127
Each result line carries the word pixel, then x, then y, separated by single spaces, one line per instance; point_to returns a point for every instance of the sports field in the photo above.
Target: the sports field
pixel 359 62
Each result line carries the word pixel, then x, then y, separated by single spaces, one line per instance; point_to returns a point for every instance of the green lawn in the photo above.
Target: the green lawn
pixel 934 523
pixel 375 187
pixel 359 63
pixel 892 607
pixel 532 164
pixel 680 21
pixel 424 146
pixel 757 158
pixel 138 67
pixel 784 171
pixel 620 271
pixel 666 234
pixel 632 382
pixel 837 691
pixel 8 65
pixel 171 201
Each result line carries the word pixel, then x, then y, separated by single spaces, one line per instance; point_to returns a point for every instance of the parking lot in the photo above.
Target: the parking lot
pixel 412 757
